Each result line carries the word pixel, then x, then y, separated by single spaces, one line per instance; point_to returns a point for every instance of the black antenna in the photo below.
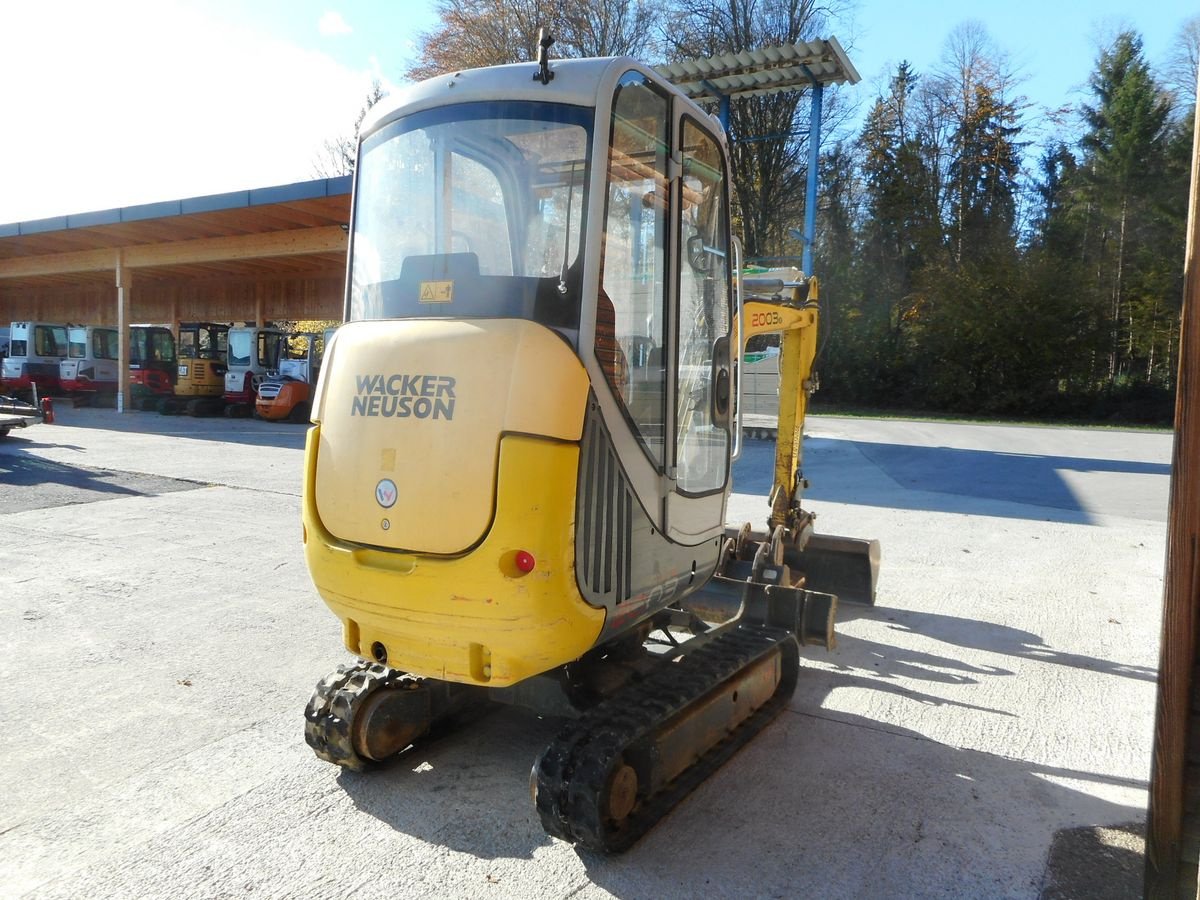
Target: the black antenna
pixel 543 74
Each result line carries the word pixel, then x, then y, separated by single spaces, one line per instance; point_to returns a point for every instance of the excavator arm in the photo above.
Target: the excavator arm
pixel 785 302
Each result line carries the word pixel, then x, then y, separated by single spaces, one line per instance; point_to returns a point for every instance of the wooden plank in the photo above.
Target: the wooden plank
pixel 297 241
pixel 1167 872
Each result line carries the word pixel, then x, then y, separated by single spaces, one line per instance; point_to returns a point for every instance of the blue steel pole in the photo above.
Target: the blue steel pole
pixel 814 161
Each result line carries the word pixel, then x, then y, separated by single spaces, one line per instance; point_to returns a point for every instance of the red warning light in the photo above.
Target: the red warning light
pixel 525 561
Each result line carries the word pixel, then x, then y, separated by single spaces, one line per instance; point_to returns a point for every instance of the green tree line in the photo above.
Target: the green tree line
pixel 967 264
pixel 956 281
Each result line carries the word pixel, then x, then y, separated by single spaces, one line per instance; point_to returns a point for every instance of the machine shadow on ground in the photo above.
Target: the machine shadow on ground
pixel 936 802
pixel 937 805
pixel 939 479
pixel 30 482
pixel 887 660
pixel 485 764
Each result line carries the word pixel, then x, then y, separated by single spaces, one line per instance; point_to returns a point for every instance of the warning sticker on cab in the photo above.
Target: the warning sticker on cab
pixel 437 291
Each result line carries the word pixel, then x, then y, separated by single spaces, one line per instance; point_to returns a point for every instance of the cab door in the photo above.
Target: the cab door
pixel 633 299
pixel 702 396
pixel 663 313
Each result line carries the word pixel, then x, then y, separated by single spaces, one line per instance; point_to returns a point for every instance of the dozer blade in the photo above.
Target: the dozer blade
pixel 845 567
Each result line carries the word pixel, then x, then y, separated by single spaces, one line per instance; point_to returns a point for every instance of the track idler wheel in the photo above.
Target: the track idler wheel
pixel 337 720
pixel 366 713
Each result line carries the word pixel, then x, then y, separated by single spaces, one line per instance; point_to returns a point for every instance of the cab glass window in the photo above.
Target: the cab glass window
pixel 630 308
pixel 701 444
pixel 49 340
pixel 104 344
pixel 270 345
pixel 162 346
pixel 473 211
pixel 241 349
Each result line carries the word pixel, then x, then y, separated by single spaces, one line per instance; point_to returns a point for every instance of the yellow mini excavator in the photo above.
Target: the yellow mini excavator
pixel 516 481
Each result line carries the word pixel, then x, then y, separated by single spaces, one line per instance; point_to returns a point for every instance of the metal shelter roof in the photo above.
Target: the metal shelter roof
pixel 763 70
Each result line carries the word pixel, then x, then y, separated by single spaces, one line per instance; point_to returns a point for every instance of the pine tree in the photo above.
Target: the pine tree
pixel 901 232
pixel 1124 161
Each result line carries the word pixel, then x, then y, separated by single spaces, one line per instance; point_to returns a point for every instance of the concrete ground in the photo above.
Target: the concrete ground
pixel 984 731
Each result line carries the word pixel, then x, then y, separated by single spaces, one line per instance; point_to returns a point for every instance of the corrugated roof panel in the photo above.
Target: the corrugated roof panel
pixel 764 70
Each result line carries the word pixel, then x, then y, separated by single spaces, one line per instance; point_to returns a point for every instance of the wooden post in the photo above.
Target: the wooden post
pixel 1173 820
pixel 124 288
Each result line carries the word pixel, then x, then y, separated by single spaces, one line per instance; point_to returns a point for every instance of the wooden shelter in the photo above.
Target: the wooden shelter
pixel 267 254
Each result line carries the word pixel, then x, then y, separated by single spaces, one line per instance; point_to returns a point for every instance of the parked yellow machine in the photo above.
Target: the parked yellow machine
pixel 515 487
pixel 203 352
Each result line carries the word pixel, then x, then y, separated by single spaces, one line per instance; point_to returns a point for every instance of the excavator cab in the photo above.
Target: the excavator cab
pixel 153 366
pixel 521 452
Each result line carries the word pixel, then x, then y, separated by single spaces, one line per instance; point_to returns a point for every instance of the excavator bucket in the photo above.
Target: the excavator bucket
pixel 843 566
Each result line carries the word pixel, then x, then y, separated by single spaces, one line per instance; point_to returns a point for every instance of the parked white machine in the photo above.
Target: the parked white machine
pixel 253 355
pixel 35 350
pixel 90 368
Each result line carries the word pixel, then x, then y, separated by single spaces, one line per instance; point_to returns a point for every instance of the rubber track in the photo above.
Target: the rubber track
pixel 334 704
pixel 571 774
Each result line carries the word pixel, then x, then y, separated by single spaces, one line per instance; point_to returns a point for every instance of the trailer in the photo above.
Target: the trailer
pixel 16 413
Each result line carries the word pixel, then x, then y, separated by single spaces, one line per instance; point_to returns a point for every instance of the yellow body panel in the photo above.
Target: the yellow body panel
pixel 412 415
pixel 474 619
pixel 199 378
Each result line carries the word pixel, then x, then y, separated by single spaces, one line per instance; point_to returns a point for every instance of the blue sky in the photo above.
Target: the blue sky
pixel 134 101
pixel 1051 44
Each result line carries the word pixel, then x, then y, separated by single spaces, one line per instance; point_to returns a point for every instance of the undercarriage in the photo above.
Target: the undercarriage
pixel 649 715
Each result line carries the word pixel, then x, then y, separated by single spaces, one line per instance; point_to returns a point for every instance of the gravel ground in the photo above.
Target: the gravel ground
pixel 983 731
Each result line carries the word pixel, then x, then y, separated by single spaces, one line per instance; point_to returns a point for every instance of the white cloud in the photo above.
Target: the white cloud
pixel 332 24
pixel 156 101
